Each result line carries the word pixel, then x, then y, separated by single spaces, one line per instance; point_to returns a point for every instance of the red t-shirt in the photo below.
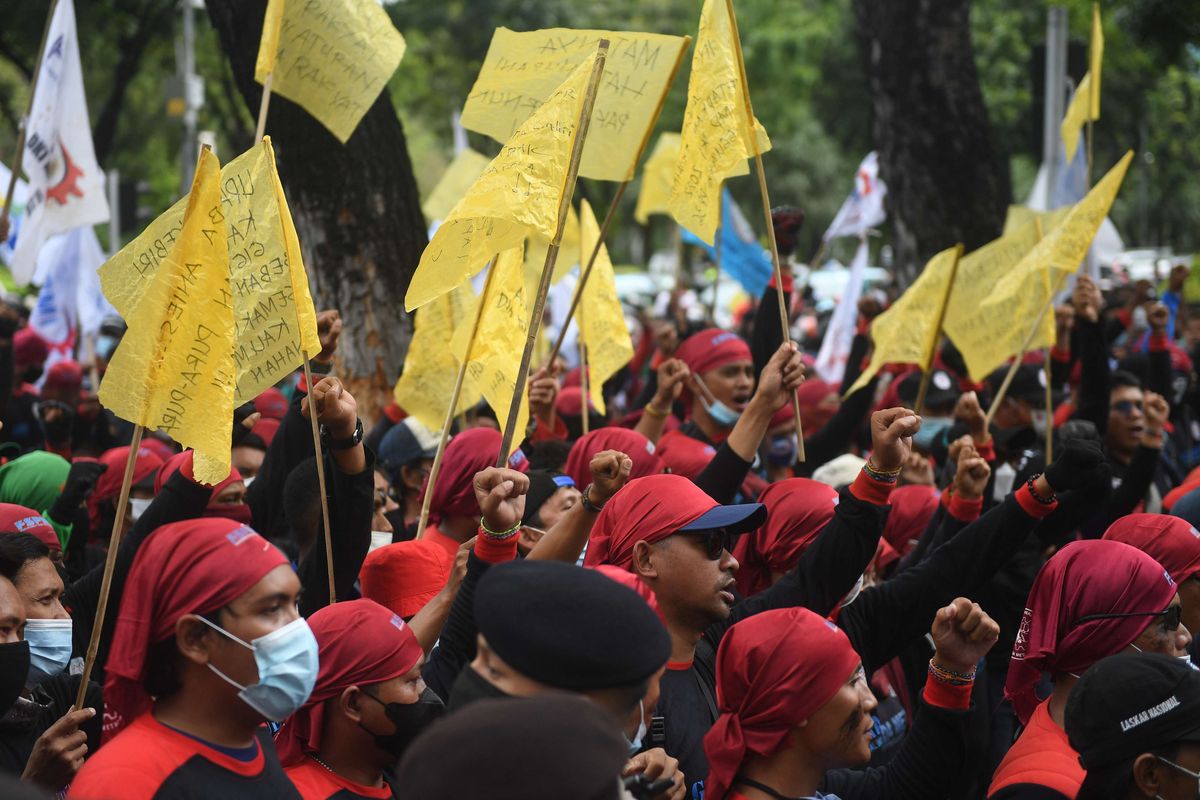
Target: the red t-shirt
pixel 317 783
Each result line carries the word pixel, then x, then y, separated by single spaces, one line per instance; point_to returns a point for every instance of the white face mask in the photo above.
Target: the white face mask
pixel 138 506
pixel 1040 421
pixel 248 481
pixel 379 539
pixel 287 669
pixel 636 743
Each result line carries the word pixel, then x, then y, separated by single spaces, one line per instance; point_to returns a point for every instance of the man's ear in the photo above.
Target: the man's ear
pixel 193 639
pixel 643 560
pixel 350 703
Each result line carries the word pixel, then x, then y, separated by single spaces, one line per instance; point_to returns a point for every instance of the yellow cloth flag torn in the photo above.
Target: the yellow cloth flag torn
pixel 600 316
pixel 430 369
pixel 496 356
pixel 517 196
pixel 332 57
pixel 657 177
pixel 174 367
pixel 1096 60
pixel 716 137
pixel 1077 115
pixel 464 170
pixel 907 332
pixel 522 69
pixel 536 247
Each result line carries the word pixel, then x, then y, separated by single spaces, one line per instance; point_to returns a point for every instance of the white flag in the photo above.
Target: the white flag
pixel 70 299
pixel 16 214
pixel 863 209
pixel 66 186
pixel 835 347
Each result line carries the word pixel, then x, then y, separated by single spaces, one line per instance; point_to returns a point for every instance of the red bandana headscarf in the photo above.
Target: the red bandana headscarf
pixel 646 509
pixel 1084 578
pixel 20 519
pixel 912 508
pixel 109 483
pixel 360 643
pixel 469 452
pixel 710 349
pixel 639 449
pixel 774 670
pixel 1170 541
pixel 797 510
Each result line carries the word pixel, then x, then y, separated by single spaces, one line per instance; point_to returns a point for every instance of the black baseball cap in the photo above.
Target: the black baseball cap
pixel 942 391
pixel 1028 384
pixel 1132 703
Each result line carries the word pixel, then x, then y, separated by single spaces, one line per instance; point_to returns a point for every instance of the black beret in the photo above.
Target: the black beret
pixel 569 627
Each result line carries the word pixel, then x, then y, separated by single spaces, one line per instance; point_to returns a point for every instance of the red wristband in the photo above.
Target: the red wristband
pixel 965 510
pixel 869 490
pixel 496 551
pixel 947 494
pixel 1031 505
pixel 945 695
pixel 987 450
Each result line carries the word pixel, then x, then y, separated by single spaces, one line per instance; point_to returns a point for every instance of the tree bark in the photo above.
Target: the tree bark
pixel 356 209
pixel 946 181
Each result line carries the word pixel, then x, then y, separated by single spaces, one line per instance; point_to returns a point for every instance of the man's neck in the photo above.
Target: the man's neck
pixel 460 529
pixel 792 772
pixel 195 713
pixel 346 756
pixel 714 432
pixel 683 643
pixel 1063 684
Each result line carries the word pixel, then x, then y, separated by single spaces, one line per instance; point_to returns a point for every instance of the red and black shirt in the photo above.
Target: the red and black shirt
pixel 315 782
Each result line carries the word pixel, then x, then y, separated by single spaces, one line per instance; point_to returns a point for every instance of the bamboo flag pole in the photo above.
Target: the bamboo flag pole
pixel 263 106
pixel 539 305
pixel 110 562
pixel 712 304
pixel 612 207
pixel 584 408
pixel 423 520
pixel 924 387
pixel 23 128
pixel 316 432
pixel 1049 408
pixel 784 322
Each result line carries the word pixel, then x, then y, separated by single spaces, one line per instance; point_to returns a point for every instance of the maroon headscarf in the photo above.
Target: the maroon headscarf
pixel 360 643
pixel 1170 541
pixel 774 670
pixel 109 484
pixel 814 413
pixel 797 510
pixel 684 455
pixel 639 449
pixel 646 509
pixel 1084 578
pixel 471 451
pixel 912 508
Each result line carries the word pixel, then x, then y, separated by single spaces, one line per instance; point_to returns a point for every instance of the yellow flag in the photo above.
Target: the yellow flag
pixel 522 69
pixel 537 245
pixel 716 138
pixel 268 48
pixel 1077 115
pixel 1096 59
pixel 1020 216
pixel 907 333
pixel 601 319
pixel 174 369
pixel 464 170
pixel 496 354
pixel 430 369
pixel 657 176
pixel 333 57
pixel 518 195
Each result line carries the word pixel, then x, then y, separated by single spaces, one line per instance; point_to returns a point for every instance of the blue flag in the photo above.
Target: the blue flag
pixel 742 257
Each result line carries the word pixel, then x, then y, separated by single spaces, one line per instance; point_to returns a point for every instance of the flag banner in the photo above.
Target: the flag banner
pixel 1077 114
pixel 463 171
pixel 70 299
pixel 16 214
pixel 907 333
pixel 715 140
pixel 657 177
pixel 537 246
pixel 518 195
pixel 742 257
pixel 430 368
pixel 863 209
pixel 839 335
pixel 331 57
pixel 495 358
pixel 523 69
pixel 601 318
pixel 66 185
pixel 174 367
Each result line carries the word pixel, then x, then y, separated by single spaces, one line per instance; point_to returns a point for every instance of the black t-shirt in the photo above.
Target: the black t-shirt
pixel 689 708
pixel 315 782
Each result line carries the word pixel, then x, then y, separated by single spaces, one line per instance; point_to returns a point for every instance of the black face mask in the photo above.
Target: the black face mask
pixel 410 719
pixel 396 518
pixel 471 686
pixel 14 669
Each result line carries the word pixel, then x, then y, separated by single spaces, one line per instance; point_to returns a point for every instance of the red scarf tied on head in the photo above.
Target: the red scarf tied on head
pixel 646 509
pixel 712 349
pixel 912 508
pixel 471 451
pixel 774 670
pixel 20 519
pixel 360 643
pixel 1170 541
pixel 109 483
pixel 1082 579
pixel 238 512
pixel 797 510
pixel 639 449
pixel 814 411
pixel 190 567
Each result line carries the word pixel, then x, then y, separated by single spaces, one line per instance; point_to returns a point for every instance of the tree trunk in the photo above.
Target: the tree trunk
pixel 946 182
pixel 356 209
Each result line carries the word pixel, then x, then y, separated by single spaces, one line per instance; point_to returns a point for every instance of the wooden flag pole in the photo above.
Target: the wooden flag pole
pixel 539 304
pixel 784 322
pixel 316 432
pixel 1049 409
pixel 712 305
pixel 584 407
pixel 23 128
pixel 423 520
pixel 110 562
pixel 262 108
pixel 937 334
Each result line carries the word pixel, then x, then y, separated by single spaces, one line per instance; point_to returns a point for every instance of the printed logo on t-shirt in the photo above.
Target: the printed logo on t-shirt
pixel 239 534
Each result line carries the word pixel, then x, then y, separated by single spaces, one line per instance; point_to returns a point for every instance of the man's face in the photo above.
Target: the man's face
pixel 12 613
pixel 41 590
pixel 732 384
pixel 1126 421
pixel 1189 595
pixel 248 460
pixel 839 732
pixel 559 503
pixel 232 495
pixel 403 689
pixel 383 504
pixel 1173 782
pixel 695 581
pixel 1161 637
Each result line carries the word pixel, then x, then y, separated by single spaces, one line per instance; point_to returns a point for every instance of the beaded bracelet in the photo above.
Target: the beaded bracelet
pixel 499 535
pixel 586 500
pixel 1035 495
pixel 883 476
pixel 949 676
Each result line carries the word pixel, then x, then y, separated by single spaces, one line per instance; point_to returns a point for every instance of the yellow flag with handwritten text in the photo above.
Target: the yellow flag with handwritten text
pixel 463 171
pixel 517 196
pixel 718 134
pixel 600 316
pixel 522 69
pixel 1077 114
pixel 657 177
pixel 430 368
pixel 332 57
pixel 495 358
pixel 174 367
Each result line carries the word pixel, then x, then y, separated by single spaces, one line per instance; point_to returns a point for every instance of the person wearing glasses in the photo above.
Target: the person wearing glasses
pixel 1091 600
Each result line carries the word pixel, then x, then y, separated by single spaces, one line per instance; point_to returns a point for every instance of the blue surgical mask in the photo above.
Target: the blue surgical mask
pixel 781 450
pixel 931 430
pixel 722 414
pixel 50 647
pixel 636 744
pixel 287 669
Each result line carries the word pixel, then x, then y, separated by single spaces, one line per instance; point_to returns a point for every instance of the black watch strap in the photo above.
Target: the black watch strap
pixel 342 444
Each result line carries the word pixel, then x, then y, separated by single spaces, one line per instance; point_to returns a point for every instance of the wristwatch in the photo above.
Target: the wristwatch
pixel 350 441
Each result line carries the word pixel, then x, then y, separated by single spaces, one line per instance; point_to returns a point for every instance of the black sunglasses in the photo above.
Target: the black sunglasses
pixel 716 543
pixel 1172 616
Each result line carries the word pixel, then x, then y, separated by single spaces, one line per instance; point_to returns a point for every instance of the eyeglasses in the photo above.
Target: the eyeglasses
pixel 716 543
pixel 1172 616
pixel 1126 407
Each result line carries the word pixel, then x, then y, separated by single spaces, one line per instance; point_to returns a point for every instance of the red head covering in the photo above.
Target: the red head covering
pixel 912 508
pixel 684 455
pixel 774 670
pixel 19 519
pixel 184 461
pixel 271 404
pixel 109 483
pixel 360 643
pixel 406 575
pixel 813 414
pixel 1084 578
pixel 29 348
pixel 157 446
pixel 570 402
pixel 639 449
pixel 712 349
pixel 190 567
pixel 631 581
pixel 265 429
pixel 797 510
pixel 65 375
pixel 471 451
pixel 1170 541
